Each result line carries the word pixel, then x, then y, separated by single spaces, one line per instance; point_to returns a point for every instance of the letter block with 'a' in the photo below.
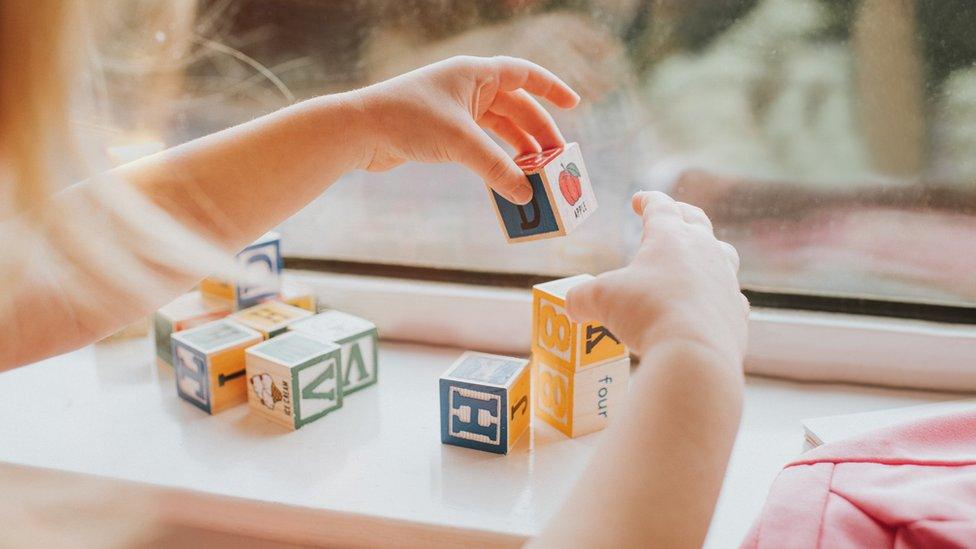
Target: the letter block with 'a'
pixel 209 364
pixel 485 402
pixel 561 342
pixel 562 196
pixel 580 402
pixel 294 379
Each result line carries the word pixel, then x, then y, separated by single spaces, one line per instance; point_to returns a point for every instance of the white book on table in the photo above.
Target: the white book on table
pixel 824 430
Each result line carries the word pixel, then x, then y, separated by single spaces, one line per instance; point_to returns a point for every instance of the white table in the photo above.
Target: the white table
pixel 374 471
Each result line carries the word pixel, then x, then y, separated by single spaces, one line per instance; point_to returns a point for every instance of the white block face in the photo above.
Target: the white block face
pixel 571 189
pixel 317 390
pixel 262 261
pixel 333 325
pixel 599 393
pixel 359 362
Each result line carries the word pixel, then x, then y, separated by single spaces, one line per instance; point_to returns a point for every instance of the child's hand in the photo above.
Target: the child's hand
pixel 680 287
pixel 436 114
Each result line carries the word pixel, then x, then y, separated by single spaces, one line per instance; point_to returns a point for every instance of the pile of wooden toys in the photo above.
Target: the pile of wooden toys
pixel 264 343
pixel 578 374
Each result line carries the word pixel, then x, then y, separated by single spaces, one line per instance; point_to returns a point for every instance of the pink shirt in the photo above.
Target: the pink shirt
pixel 911 485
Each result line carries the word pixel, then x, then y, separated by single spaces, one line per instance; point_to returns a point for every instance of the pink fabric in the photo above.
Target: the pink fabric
pixel 912 485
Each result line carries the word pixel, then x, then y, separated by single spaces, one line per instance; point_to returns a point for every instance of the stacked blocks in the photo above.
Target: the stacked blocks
pixel 271 318
pixel 294 379
pixel 185 312
pixel 357 339
pixel 485 402
pixel 209 364
pixel 562 196
pixel 580 370
pixel 263 261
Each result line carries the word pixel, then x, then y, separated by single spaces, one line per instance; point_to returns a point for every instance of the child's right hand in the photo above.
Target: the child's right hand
pixel 681 286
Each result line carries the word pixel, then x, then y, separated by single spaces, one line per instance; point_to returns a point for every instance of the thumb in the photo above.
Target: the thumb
pixel 481 154
pixel 585 302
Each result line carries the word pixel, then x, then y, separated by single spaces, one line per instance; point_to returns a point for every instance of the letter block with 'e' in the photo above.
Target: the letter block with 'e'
pixel 580 402
pixel 562 196
pixel 485 402
pixel 559 341
pixel 271 318
pixel 209 364
pixel 358 340
pixel 293 379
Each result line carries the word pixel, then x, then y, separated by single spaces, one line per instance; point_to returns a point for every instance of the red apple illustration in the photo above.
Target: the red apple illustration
pixel 569 183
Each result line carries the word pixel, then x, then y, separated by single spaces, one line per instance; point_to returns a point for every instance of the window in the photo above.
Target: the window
pixel 832 141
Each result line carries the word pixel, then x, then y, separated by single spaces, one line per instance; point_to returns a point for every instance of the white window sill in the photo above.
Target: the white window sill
pixel 809 346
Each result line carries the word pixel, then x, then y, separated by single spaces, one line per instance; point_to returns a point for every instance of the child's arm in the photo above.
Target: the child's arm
pixel 655 479
pixel 234 185
pixel 238 183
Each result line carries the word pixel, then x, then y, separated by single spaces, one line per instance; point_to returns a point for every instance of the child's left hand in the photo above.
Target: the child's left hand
pixel 436 114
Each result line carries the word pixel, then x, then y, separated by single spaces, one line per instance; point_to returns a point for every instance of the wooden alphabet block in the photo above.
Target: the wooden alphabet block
pixel 209 364
pixel 271 318
pixel 562 196
pixel 294 379
pixel 298 295
pixel 183 313
pixel 263 263
pixel 358 340
pixel 485 402
pixel 561 342
pixel 583 401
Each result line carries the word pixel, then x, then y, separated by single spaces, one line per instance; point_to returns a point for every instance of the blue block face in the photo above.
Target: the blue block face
pixel 261 259
pixel 192 376
pixel 534 218
pixel 474 416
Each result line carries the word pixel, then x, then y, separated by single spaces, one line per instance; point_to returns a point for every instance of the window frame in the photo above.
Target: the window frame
pixel 895 344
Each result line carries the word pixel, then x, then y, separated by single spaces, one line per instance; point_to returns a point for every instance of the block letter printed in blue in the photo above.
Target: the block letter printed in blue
pixel 192 381
pixel 532 219
pixel 260 259
pixel 474 416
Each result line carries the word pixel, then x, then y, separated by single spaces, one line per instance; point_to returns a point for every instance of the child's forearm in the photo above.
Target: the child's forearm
pixel 236 184
pixel 656 478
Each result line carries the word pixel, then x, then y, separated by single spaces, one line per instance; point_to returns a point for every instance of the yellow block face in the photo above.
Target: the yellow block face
pixel 271 317
pixel 306 302
pixel 565 344
pixel 519 395
pixel 228 382
pixel 553 396
pixel 215 287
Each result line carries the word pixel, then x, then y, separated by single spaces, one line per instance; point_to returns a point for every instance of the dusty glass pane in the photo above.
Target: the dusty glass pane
pixel 832 141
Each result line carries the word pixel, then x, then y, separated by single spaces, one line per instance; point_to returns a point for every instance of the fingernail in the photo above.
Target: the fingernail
pixel 522 194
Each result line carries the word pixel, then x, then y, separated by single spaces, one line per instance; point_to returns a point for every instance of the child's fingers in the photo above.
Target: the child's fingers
pixel 525 111
pixel 479 152
pixel 509 132
pixel 585 302
pixel 514 73
pixel 695 215
pixel 657 210
pixel 731 253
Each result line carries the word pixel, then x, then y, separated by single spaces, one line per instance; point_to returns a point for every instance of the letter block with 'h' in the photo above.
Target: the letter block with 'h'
pixel 485 402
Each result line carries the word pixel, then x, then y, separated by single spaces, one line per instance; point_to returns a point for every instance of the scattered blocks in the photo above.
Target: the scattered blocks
pixel 185 312
pixel 580 369
pixel 358 340
pixel 271 318
pixel 263 262
pixel 294 379
pixel 581 402
pixel 562 196
pixel 209 364
pixel 485 402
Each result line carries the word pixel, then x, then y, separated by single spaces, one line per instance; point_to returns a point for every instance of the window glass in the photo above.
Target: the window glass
pixel 832 141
